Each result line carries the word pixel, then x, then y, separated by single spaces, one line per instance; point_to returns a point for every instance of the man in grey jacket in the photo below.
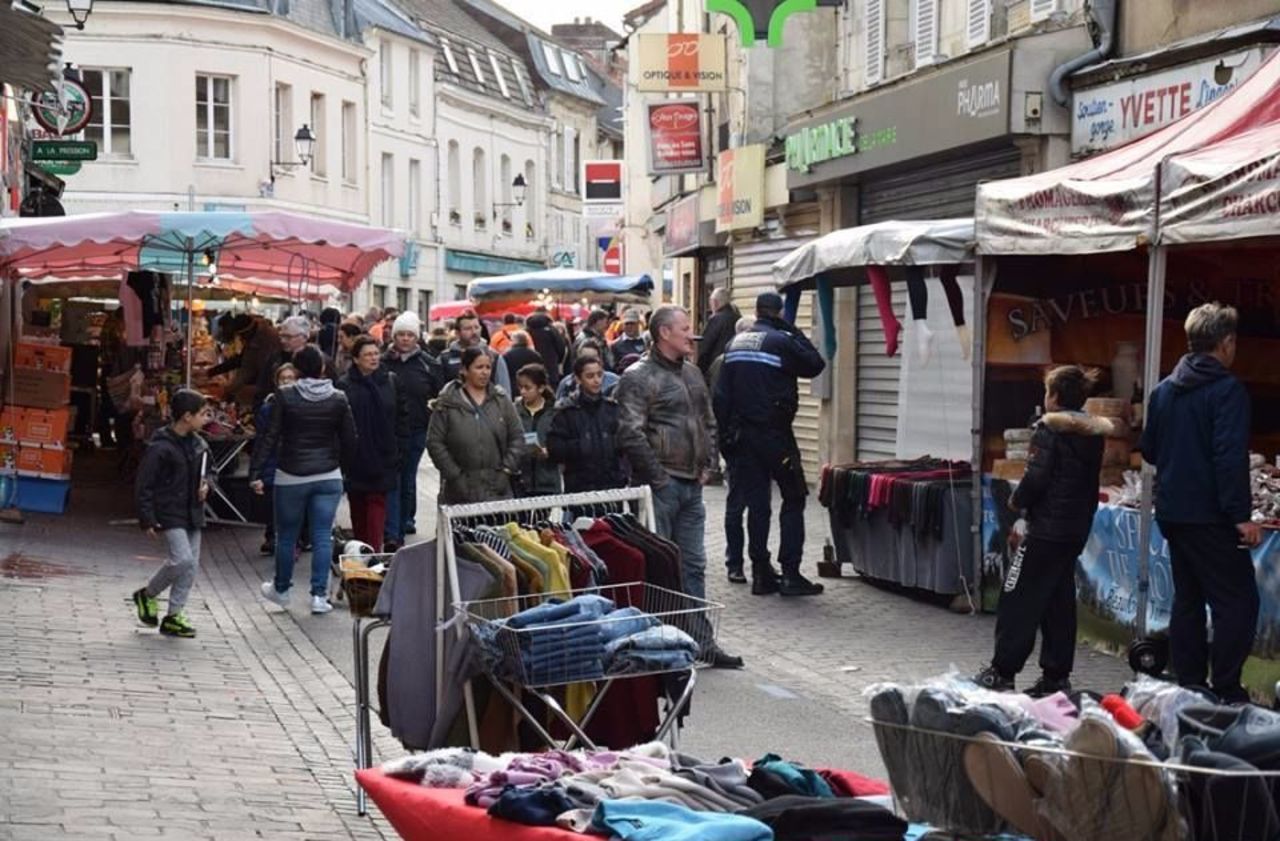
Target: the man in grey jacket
pixel 667 431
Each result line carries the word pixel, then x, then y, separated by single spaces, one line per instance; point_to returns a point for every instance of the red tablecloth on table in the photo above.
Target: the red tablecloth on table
pixel 441 814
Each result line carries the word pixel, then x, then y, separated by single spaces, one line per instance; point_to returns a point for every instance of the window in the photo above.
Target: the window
pixel 319 128
pixel 571 156
pixel 455 183
pixel 497 74
pixel 415 196
pixel 110 124
pixel 283 139
pixel 380 296
pixel 402 299
pixel 385 76
pixel 522 82
pixel 926 32
pixel 213 117
pixel 388 191
pixel 504 186
pixel 480 189
pixel 571 67
pixel 349 142
pixel 552 56
pixel 459 292
pixel 873 42
pixel 449 57
pixel 424 306
pixel 978 23
pixel 475 65
pixel 557 156
pixel 415 83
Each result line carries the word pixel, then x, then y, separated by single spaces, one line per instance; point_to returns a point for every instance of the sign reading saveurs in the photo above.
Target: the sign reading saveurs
pixel 957 106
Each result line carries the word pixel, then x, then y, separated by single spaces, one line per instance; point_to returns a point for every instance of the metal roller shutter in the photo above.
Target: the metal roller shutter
pixel 941 191
pixel 752 274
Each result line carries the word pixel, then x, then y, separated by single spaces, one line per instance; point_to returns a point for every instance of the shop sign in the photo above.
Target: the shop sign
pixel 1112 115
pixel 65 114
pixel 675 137
pixel 764 20
pixel 681 235
pixel 61 167
pixel 602 182
pixel 681 62
pixel 564 258
pixel 740 174
pixel 64 150
pixel 956 106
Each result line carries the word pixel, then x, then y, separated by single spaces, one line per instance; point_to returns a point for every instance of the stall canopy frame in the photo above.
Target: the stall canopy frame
pixel 558 282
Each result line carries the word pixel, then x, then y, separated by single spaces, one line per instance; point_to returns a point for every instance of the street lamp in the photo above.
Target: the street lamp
pixel 304 143
pixel 79 10
pixel 518 189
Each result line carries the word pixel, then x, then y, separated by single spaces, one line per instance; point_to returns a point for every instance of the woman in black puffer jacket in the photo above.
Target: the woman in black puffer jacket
pixel 313 434
pixel 584 433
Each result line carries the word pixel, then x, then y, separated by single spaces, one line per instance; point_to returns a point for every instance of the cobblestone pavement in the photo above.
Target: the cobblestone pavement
pixel 111 731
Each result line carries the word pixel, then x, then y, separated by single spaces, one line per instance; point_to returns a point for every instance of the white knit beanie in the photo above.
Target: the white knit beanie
pixel 407 322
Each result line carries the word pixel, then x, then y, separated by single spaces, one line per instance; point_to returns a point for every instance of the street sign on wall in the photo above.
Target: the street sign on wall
pixel 740 178
pixel 683 61
pixel 675 137
pixel 64 150
pixel 610 254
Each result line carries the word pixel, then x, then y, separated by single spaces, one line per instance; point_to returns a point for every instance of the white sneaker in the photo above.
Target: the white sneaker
pixel 319 604
pixel 271 594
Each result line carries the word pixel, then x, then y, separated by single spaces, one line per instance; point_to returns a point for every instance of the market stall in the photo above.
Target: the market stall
pixel 562 287
pixel 905 520
pixel 1097 264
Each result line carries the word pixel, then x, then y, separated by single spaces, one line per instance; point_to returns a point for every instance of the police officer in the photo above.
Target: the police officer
pixel 755 404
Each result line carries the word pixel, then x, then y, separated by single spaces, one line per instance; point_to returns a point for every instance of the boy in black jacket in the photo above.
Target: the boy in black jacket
pixel 1058 497
pixel 171 491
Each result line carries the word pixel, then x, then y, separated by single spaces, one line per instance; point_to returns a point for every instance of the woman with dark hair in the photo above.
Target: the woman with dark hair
pixel 475 439
pixel 313 433
pixel 536 408
pixel 382 420
pixel 286 374
pixel 584 433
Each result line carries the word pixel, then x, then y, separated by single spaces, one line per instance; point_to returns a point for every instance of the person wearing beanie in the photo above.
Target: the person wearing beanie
pixel 755 403
pixel 420 378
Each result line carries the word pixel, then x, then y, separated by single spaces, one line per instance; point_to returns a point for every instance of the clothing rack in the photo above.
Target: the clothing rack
pixel 496 513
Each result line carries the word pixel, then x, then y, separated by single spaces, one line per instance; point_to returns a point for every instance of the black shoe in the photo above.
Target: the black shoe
pixel 147 607
pixel 765 580
pixel 390 547
pixel 304 545
pixel 268 547
pixel 737 576
pixel 990 678
pixel 1047 686
pixel 798 585
pixel 410 530
pixel 721 659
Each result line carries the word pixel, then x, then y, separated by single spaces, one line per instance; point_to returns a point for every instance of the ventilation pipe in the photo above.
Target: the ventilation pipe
pixel 1102 18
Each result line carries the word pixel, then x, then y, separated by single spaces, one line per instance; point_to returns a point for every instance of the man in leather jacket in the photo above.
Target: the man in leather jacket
pixel 756 401
pixel 667 432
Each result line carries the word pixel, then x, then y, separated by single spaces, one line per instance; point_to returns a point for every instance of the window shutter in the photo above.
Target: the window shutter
pixel 926 34
pixel 569 134
pixel 1042 9
pixel 873 40
pixel 978 29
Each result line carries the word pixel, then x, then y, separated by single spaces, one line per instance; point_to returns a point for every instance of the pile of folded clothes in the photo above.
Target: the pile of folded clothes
pixel 585 638
pixel 673 795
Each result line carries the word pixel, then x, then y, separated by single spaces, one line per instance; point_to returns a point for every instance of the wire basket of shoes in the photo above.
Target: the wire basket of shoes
pixel 985 767
pixel 621 630
pixel 361 575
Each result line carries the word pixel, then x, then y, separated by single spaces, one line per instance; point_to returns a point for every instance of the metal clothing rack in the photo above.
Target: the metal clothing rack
pixel 362 628
pixel 500 512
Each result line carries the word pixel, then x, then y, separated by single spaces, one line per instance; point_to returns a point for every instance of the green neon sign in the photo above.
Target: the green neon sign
pixel 762 19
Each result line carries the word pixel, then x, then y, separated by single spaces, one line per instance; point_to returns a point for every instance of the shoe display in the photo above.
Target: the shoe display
pixel 990 678
pixel 798 585
pixel 1046 686
pixel 721 659
pixel 148 609
pixel 271 594
pixel 176 625
pixel 737 576
pixel 1250 733
pixel 267 549
pixel 320 604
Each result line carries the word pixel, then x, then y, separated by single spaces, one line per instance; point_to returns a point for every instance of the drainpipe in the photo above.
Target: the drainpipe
pixel 1102 14
pixel 349 19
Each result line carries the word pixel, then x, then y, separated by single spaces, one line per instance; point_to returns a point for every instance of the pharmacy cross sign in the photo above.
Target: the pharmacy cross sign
pixel 764 19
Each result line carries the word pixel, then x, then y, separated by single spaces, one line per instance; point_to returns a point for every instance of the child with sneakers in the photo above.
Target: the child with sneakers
pixel 171 491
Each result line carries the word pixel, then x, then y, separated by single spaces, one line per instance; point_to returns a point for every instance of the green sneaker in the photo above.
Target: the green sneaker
pixel 176 625
pixel 148 608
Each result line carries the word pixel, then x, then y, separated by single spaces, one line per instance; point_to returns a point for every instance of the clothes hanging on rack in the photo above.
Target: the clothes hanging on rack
pixel 915 493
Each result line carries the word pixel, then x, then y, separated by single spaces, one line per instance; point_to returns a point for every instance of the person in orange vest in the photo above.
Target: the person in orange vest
pixel 511 323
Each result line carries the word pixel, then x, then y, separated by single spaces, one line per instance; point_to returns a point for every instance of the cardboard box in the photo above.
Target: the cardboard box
pixel 42 357
pixel 46 462
pixel 41 389
pixel 39 427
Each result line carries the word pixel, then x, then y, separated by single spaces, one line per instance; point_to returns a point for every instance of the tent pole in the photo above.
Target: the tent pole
pixel 984 279
pixel 191 282
pixel 1156 268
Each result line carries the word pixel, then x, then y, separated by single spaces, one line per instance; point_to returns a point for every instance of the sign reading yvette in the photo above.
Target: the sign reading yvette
pixel 740 203
pixel 675 137
pixel 64 150
pixel 681 62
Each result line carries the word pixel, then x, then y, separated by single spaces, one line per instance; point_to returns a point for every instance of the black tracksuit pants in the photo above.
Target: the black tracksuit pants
pixel 1039 593
pixel 1210 568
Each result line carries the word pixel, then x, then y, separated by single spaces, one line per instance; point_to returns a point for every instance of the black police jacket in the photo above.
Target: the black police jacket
pixel 756 389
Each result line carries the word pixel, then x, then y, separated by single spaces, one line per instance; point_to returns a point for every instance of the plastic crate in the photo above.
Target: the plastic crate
pixel 42 496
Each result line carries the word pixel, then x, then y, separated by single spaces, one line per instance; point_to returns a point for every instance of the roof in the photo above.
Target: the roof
pixel 609 118
pixel 460 36
pixel 451 18
pixel 572 79
pixel 30 50
pixel 383 15
pixel 637 17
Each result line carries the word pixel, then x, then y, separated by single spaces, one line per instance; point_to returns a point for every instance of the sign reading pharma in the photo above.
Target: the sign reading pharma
pixel 681 62
pixel 957 106
pixel 675 137
pixel 740 180
pixel 1112 115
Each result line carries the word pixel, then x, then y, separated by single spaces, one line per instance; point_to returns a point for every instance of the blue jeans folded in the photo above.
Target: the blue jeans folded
pixel 637 661
pixel 661 638
pixel 544 640
pixel 624 622
pixel 590 669
pixel 563 655
pixel 579 609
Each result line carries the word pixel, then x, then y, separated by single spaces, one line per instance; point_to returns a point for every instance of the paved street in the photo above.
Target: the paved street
pixel 114 732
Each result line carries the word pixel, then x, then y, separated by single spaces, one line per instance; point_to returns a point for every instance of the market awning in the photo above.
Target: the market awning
pixel 1108 202
pixel 925 243
pixel 30 50
pixel 559 282
pixel 290 252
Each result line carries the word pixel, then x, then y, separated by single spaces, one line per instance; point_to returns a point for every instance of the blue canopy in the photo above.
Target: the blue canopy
pixel 553 281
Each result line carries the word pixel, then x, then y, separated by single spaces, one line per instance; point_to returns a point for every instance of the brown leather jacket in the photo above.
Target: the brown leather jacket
pixel 666 426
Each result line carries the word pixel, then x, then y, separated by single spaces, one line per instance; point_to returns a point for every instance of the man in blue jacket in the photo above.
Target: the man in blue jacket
pixel 755 405
pixel 1197 436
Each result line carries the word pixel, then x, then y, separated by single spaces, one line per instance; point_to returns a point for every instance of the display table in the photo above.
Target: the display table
pixel 879 549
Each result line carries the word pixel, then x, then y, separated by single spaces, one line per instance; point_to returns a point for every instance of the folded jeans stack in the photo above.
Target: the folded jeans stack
pixel 662 648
